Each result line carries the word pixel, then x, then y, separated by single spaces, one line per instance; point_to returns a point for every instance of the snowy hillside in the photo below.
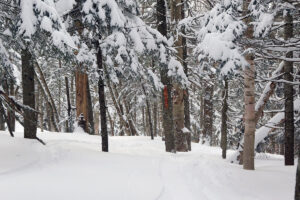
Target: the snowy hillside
pixel 72 166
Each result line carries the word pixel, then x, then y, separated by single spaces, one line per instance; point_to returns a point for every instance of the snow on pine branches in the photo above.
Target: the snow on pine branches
pixel 217 38
pixel 127 43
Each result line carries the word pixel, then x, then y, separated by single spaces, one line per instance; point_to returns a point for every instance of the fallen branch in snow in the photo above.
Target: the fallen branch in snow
pixel 40 140
pixel 6 119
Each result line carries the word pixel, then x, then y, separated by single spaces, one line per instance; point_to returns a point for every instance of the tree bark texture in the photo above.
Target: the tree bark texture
pixel 288 95
pixel 83 100
pixel 178 92
pixel 30 118
pixel 208 113
pixel 224 119
pixel 167 107
pixel 101 91
pixel 249 95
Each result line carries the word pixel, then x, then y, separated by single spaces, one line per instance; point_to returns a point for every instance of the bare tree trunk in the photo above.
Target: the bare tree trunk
pixel 10 112
pixel 101 91
pixel 70 120
pixel 297 188
pixel 149 114
pixel 112 126
pixel 155 110
pixel 83 100
pixel 178 94
pixel 187 120
pixel 2 122
pixel 96 114
pixel 208 113
pixel 123 123
pixel 249 93
pixel 59 89
pixel 30 118
pixel 288 94
pixel 43 83
pixel 224 119
pixel 52 125
pixel 168 126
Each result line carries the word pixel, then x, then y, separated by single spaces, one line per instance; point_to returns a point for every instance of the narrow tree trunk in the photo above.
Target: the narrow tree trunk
pixel 122 121
pixel 59 89
pixel 224 119
pixel 96 114
pixel 2 122
pixel 69 121
pixel 10 112
pixel 208 114
pixel 297 188
pixel 187 120
pixel 288 95
pixel 91 123
pixel 168 127
pixel 101 91
pixel 52 125
pixel 41 115
pixel 155 110
pixel 30 118
pixel 111 122
pixel 47 91
pixel 149 114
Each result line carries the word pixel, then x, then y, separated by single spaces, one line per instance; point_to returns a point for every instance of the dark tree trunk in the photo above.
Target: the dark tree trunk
pixel 168 126
pixel 30 118
pixel 90 110
pixel 10 112
pixel 187 120
pixel 2 112
pixel 224 119
pixel 101 92
pixel 155 110
pixel 70 121
pixel 297 188
pixel 149 115
pixel 208 113
pixel 288 95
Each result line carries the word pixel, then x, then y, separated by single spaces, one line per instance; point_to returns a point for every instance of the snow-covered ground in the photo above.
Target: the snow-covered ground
pixel 72 167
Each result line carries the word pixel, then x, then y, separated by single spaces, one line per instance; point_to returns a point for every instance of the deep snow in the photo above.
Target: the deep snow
pixel 72 167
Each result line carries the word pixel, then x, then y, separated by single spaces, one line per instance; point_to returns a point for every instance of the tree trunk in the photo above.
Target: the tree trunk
pixel 224 119
pixel 83 100
pixel 155 110
pixel 178 93
pixel 168 127
pixel 288 95
pixel 52 125
pixel 149 114
pixel 297 188
pixel 101 91
pixel 10 112
pixel 187 120
pixel 70 120
pixel 96 114
pixel 249 95
pixel 47 91
pixel 30 118
pixel 208 113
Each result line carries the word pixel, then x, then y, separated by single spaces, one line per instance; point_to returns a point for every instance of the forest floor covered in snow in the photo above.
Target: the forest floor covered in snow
pixel 72 167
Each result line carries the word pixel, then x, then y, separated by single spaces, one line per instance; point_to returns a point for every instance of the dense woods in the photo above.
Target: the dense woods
pixel 216 72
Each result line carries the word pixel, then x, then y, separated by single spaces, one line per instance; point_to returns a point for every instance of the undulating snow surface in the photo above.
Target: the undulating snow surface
pixel 72 167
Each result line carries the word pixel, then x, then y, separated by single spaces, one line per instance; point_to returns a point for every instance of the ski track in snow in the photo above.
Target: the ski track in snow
pixel 71 166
